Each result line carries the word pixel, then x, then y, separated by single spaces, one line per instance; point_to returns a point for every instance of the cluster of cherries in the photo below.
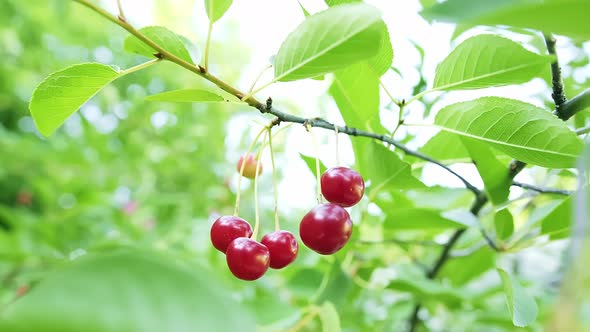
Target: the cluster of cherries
pixel 325 229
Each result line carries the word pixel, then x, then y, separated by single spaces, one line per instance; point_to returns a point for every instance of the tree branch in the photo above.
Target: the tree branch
pixel 574 105
pixel 267 108
pixel 557 82
pixel 541 189
pixel 564 110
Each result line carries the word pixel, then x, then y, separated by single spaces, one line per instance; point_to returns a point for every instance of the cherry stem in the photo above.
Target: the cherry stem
pixel 256 211
pixel 317 162
pixel 250 148
pixel 274 180
pixel 337 150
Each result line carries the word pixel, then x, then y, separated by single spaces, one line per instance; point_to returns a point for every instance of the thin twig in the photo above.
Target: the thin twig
pixel 121 13
pixel 542 189
pixel 583 130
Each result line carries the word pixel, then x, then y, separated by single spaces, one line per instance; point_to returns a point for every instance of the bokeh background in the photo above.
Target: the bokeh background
pixel 156 175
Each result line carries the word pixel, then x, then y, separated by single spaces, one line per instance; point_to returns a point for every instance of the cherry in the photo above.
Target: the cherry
pixel 228 228
pixel 342 186
pixel 249 166
pixel 247 259
pixel 326 228
pixel 283 248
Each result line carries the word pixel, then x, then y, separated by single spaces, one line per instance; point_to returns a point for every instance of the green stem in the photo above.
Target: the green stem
pixel 274 180
pixel 138 67
pixel 317 163
pixel 256 208
pixel 121 13
pixel 207 45
pixel 237 206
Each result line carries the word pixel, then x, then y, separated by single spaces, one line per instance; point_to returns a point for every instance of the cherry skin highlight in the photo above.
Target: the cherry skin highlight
pixel 228 228
pixel 247 259
pixel 326 228
pixel 249 166
pixel 342 186
pixel 283 248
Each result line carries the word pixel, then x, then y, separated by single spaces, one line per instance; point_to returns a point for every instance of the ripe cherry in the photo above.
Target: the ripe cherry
pixel 283 248
pixel 247 259
pixel 342 186
pixel 228 228
pixel 249 166
pixel 326 228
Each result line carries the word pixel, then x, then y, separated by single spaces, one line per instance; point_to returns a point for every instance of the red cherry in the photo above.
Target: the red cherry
pixel 249 166
pixel 247 259
pixel 283 248
pixel 326 228
pixel 342 186
pixel 228 228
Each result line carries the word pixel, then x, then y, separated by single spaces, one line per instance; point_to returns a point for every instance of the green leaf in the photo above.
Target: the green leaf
pixel 163 37
pixel 521 130
pixel 63 92
pixel 305 12
pixel 339 2
pixel 419 219
pixel 460 270
pixel 330 40
pixel 493 172
pixel 310 162
pixel 557 223
pixel 356 92
pixel 329 317
pixel 189 96
pixel 566 17
pixel 126 290
pixel 383 168
pixel 486 61
pixel 425 289
pixel 522 307
pixel 504 224
pixel 216 8
pixel 446 146
pixel 381 62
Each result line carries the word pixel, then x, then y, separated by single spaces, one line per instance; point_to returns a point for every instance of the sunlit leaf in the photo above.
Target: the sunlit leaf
pixel 566 17
pixel 63 92
pixel 522 307
pixel 487 60
pixel 383 168
pixel 216 8
pixel 558 222
pixel 163 37
pixel 189 96
pixel 492 171
pixel 356 92
pixel 504 224
pixel 330 40
pixel 521 130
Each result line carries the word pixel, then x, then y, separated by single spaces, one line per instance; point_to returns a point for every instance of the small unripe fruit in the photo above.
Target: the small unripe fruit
pixel 249 162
